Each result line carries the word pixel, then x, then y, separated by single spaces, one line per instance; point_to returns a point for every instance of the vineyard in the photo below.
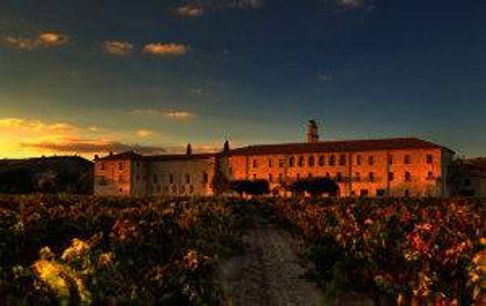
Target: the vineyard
pixel 70 250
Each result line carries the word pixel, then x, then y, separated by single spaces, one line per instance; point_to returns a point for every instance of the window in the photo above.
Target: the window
pixel 358 160
pixel 467 182
pixel 159 188
pixel 291 161
pixel 342 160
pixel 371 160
pixel 191 189
pixel 155 178
pixel 311 161
pixel 407 192
pixel 255 163
pixel 137 177
pixel 408 176
pixel 322 161
pixel 363 192
pixel 357 176
pixel 102 166
pixel 391 176
pixel 188 179
pixel 230 170
pixel 406 159
pixel 171 178
pixel 298 176
pixel 281 163
pixel 371 177
pixel 332 160
pixel 430 175
pixel 270 163
pixel 205 179
pixel 120 178
pixel 182 189
pixel 301 161
pixel 390 159
pixel 328 175
pixel 120 166
pixel 429 158
pixel 270 178
pixel 380 192
pixel 254 176
pixel 339 176
pixel 309 175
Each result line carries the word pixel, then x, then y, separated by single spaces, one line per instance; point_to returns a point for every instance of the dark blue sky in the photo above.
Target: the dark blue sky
pixel 250 70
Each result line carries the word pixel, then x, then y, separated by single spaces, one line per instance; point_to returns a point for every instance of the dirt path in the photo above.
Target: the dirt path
pixel 268 272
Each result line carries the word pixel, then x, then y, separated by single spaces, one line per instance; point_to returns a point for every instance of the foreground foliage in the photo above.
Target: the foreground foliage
pixel 84 250
pixel 426 251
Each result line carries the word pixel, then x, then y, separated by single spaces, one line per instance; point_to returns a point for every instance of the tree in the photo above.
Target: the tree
pixel 255 187
pixel 220 183
pixel 316 186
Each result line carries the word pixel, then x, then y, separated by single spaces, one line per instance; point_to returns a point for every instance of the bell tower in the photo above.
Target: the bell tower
pixel 312 131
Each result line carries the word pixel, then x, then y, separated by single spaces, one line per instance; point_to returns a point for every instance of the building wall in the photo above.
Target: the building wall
pixel 353 176
pixel 180 178
pixel 113 177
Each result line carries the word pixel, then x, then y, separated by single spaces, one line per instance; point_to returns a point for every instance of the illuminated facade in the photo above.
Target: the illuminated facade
pixel 378 167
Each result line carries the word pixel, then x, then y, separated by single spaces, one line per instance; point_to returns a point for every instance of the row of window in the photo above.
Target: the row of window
pixel 333 161
pixel 357 177
pixel 181 189
pixel 187 178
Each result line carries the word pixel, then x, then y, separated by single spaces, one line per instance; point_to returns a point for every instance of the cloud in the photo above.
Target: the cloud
pixel 163 49
pixel 144 133
pixel 190 10
pixel 117 47
pixel 244 3
pixel 325 78
pixel 174 114
pixel 35 126
pixel 43 40
pixel 87 146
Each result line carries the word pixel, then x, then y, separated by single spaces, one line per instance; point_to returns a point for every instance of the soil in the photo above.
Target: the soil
pixel 269 271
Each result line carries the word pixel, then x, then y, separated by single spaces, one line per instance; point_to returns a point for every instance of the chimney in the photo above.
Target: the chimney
pixel 312 132
pixel 188 149
pixel 226 147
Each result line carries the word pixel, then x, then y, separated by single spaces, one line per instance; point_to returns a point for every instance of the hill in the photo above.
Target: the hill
pixel 58 174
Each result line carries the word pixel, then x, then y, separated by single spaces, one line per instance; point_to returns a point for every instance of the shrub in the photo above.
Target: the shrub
pixel 315 186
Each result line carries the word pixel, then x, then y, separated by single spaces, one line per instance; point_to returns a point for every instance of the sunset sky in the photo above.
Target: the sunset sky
pixel 86 76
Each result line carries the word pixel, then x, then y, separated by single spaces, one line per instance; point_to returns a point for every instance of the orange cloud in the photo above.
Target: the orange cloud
pixel 89 147
pixel 190 10
pixel 174 114
pixel 165 49
pixel 117 47
pixel 144 133
pixel 43 40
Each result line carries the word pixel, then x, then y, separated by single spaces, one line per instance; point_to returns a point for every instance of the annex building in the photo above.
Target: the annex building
pixel 373 167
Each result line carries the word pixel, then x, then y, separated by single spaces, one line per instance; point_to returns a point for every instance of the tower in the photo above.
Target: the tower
pixel 312 131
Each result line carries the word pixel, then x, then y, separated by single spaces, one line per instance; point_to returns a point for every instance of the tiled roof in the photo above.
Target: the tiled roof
pixel 130 155
pixel 172 157
pixel 338 146
pixel 165 157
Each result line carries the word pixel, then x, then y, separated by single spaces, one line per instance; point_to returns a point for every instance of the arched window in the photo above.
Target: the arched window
pixel 342 160
pixel 291 161
pixel 311 161
pixel 332 160
pixel 188 179
pixel 301 161
pixel 322 161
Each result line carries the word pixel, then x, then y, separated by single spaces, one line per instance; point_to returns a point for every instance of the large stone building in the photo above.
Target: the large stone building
pixel 377 167
pixel 468 178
